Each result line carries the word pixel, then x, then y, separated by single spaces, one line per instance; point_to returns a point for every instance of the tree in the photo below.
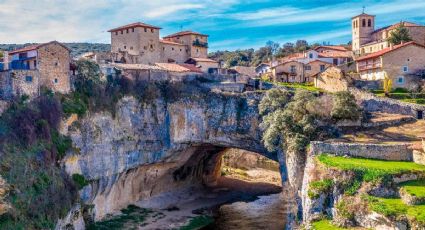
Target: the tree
pixel 301 45
pixel 399 34
pixel 273 46
pixel 345 107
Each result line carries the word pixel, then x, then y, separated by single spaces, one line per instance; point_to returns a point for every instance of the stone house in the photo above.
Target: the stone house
pixel 32 67
pixel 302 67
pixel 140 43
pixel 365 39
pixel 205 64
pixel 398 63
pixel 262 68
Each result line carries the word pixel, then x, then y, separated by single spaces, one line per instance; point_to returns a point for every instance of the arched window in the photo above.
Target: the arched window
pixel 369 23
pixel 364 22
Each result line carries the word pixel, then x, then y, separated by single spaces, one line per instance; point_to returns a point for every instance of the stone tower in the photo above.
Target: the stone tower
pixel 362 26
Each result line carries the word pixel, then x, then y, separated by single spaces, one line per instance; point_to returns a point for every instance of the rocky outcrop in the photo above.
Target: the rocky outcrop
pixel 147 149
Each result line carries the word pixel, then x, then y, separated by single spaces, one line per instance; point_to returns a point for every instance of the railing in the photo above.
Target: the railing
pixel 292 73
pixel 200 44
pixel 370 66
pixel 19 65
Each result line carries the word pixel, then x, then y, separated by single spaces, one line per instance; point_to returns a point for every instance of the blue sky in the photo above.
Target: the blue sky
pixel 231 24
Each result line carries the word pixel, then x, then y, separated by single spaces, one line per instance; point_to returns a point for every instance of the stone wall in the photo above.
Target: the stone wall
pixel 18 83
pixel 394 152
pixel 53 63
pixel 372 103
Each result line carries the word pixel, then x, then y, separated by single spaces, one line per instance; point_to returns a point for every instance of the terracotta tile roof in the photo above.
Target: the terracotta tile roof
pixel 387 50
pixel 25 49
pixel 192 68
pixel 362 14
pixel 35 47
pixel 178 68
pixel 171 43
pixel 390 27
pixel 135 66
pixel 338 48
pixel 187 32
pixel 134 25
pixel 335 54
pixel 319 61
pixel 204 60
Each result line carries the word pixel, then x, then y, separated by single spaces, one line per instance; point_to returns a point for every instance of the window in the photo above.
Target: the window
pixel 307 67
pixel 127 30
pixel 172 48
pixel 408 59
pixel 310 55
pixel 197 50
pixel 132 30
pixel 28 78
pixel 56 80
pixel 122 32
pixel 400 80
pixel 35 64
pixel 163 48
pixel 116 33
pixel 405 69
pixel 125 47
pixel 151 46
pixel 354 24
pixel 322 67
pixel 146 30
pixel 56 63
pixel 370 49
pixel 293 69
pixel 131 47
pixel 180 50
pixel 364 23
pixel 369 23
pixel 152 30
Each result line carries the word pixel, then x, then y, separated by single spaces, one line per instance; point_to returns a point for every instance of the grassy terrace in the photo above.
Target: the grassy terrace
pixel 394 207
pixel 403 95
pixel 327 225
pixel 370 169
pixel 414 188
pixel 306 86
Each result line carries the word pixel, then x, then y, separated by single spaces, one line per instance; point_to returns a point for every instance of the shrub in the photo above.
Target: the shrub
pixel 319 187
pixel 79 180
pixel 345 107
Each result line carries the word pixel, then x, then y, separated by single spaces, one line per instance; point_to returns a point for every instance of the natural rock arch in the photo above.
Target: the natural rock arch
pixel 148 148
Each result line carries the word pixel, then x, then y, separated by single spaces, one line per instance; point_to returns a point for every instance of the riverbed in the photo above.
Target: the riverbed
pixel 231 204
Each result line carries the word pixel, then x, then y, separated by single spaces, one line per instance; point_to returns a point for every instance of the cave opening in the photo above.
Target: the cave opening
pixel 212 186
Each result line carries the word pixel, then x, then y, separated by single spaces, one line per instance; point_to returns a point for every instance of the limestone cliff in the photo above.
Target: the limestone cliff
pixel 151 148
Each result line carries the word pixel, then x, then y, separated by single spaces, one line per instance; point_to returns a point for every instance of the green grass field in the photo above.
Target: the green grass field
pixel 414 188
pixel 325 225
pixel 394 207
pixel 306 86
pixel 370 169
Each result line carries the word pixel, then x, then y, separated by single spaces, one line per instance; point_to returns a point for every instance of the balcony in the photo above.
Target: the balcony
pixel 370 66
pixel 292 73
pixel 200 44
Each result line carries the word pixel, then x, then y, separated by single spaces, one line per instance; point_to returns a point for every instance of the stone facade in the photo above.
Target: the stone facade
pixel 291 71
pixel 53 62
pixel 140 43
pixel 398 63
pixel 43 65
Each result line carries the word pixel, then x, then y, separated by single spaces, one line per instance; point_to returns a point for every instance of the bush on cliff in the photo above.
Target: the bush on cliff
pixel 30 148
pixel 289 123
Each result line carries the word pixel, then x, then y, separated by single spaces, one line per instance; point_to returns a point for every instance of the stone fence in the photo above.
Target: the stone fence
pixel 394 152
pixel 372 103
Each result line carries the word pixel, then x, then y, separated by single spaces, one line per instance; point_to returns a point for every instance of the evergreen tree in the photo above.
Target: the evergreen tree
pixel 399 35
